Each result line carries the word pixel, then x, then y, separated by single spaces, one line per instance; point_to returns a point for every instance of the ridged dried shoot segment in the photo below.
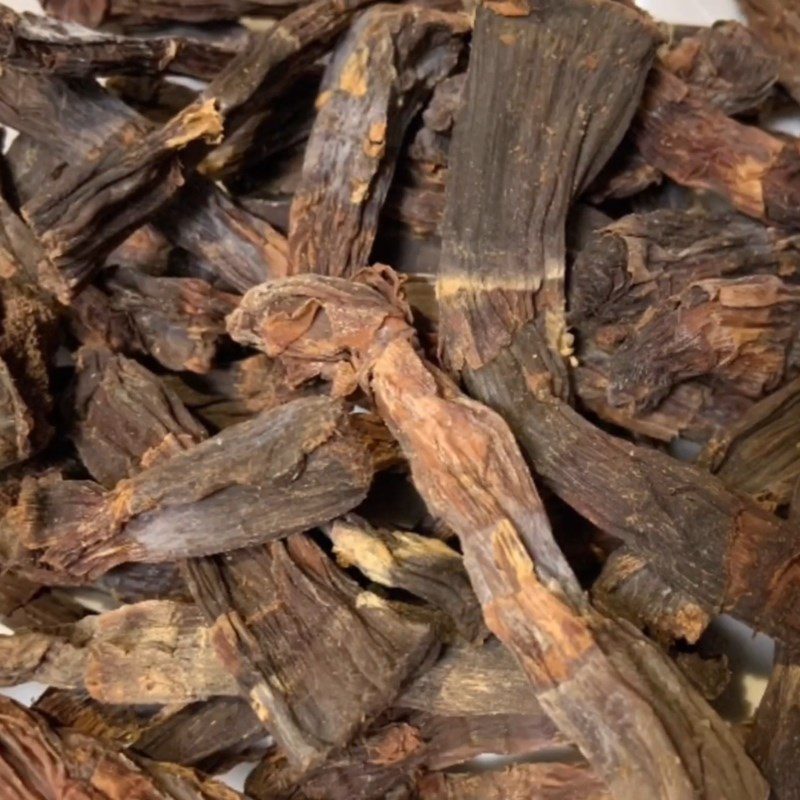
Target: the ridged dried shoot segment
pixel 377 81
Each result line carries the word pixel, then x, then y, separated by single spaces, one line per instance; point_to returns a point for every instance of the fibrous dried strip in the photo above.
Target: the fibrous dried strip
pixel 628 588
pixel 386 762
pixel 726 65
pixel 426 567
pixel 642 268
pixel 237 391
pixel 315 654
pixel 95 13
pixel 470 472
pixel 777 24
pixel 126 418
pixel 528 168
pixel 759 453
pixel 35 43
pixel 211 735
pixel 150 652
pixel 37 760
pixel 94 205
pixel 472 681
pixel 289 469
pixel 377 81
pixel 518 782
pixel 699 146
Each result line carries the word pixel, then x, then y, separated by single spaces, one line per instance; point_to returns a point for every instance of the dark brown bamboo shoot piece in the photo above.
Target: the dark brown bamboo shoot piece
pixel 777 24
pixel 210 735
pixel 34 43
pixel 315 654
pixel 759 454
pixel 150 652
pixel 490 289
pixel 127 419
pixel 468 468
pixel 699 146
pixel 424 566
pixel 725 64
pixel 37 760
pixel 517 782
pixel 95 13
pixel 290 468
pixel 379 78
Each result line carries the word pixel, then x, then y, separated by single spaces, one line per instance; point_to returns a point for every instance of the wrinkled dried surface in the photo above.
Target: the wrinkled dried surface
pixel 286 470
pixel 777 24
pixel 315 654
pixel 126 418
pixel 38 761
pixel 375 84
pixel 150 652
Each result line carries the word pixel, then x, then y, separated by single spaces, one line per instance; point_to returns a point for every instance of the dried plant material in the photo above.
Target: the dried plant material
pixel 697 145
pixel 377 81
pixel 645 268
pixel 470 472
pixel 34 43
pixel 150 652
pixel 629 588
pixel 773 740
pixel 95 13
pixel 286 470
pixel 315 654
pixel 759 454
pixel 726 65
pixel 237 391
pixel 777 24
pixel 488 288
pixel 131 583
pixel 518 782
pixel 126 418
pixel 210 735
pixel 39 761
pixel 425 567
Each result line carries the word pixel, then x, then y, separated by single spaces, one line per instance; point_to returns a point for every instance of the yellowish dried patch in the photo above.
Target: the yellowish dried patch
pixel 353 79
pixel 509 8
pixel 359 191
pixel 201 121
pixel 375 143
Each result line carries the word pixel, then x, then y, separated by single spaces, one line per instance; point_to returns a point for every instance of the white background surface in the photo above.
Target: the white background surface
pixel 751 657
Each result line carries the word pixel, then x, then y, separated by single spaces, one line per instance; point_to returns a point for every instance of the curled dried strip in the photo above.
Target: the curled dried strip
pixel 288 469
pixel 377 81
pixel 467 467
pixel 315 655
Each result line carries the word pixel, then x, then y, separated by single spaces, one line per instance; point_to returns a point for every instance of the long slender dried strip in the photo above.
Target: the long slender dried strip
pixel 246 89
pixel 38 761
pixel 727 65
pixel 315 654
pixel 774 740
pixel 288 469
pixel 31 42
pixel 426 567
pixel 150 652
pixel 758 454
pixel 607 688
pixel 126 418
pixel 376 83
pixel 210 735
pixel 700 147
pixel 386 762
pixel 518 782
pixel 777 24
pixel 235 244
pixel 472 681
pixel 519 65
pixel 237 391
pixel 95 13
